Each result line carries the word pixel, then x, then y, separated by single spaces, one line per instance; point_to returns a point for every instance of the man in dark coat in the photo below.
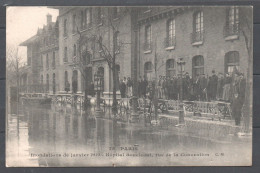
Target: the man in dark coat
pixel 220 86
pixel 144 87
pixel 122 88
pixel 238 97
pixel 186 86
pixel 203 87
pixel 212 86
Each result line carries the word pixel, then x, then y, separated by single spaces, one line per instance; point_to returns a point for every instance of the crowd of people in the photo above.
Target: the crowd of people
pixel 228 88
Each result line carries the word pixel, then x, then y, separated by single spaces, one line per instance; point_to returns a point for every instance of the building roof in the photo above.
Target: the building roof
pixel 31 40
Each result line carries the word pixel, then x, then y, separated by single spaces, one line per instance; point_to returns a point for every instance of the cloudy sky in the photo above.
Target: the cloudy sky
pixel 23 22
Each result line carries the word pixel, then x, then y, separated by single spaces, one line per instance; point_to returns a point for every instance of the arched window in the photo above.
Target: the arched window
pixel 198 27
pixel 197 66
pixel 75 81
pixel 231 61
pixel 170 30
pixel 170 70
pixel 74 50
pixel 148 70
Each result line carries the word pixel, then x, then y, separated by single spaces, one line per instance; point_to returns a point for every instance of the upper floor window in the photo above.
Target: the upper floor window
pixel 47 61
pixel 88 17
pixel 74 50
pixel 82 19
pixel 198 27
pixel 74 23
pixel 116 12
pixel 148 37
pixel 65 59
pixel 99 15
pixel 232 21
pixel 65 28
pixel 170 36
pixel 117 42
pixel 53 60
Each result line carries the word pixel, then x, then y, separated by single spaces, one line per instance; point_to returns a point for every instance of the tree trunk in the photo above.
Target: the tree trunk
pixel 114 106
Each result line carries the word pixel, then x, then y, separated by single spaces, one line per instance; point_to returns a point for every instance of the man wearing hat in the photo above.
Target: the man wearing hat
pixel 212 86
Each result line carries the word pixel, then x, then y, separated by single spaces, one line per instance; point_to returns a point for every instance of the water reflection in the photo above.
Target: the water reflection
pixel 60 129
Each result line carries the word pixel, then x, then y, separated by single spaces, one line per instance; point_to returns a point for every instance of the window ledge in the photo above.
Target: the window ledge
pixel 116 18
pixel 147 11
pixel 231 37
pixel 100 24
pixel 170 48
pixel 197 43
pixel 65 37
pixel 147 51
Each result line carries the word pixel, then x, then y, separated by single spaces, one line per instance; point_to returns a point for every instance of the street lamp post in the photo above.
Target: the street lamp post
pixel 98 81
pixel 181 64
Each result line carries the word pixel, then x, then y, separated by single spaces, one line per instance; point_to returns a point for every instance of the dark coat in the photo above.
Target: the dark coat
pixel 122 89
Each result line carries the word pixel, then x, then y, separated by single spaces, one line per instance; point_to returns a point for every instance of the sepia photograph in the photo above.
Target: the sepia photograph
pixel 121 86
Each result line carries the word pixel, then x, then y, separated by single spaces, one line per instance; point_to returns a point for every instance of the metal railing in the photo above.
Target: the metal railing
pixel 169 41
pixel 197 36
pixel 231 29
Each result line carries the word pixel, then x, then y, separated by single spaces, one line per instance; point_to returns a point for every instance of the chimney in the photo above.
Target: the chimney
pixel 49 19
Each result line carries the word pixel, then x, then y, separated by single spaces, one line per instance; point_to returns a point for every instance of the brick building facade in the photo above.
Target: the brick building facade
pixel 207 38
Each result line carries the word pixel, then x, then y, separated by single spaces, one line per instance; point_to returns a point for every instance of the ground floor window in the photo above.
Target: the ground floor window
pixel 231 61
pixel 148 70
pixel 170 70
pixel 197 66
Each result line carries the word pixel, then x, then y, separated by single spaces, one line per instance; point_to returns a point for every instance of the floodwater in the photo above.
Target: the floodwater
pixel 60 136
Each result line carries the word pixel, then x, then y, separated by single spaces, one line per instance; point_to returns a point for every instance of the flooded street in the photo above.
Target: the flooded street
pixel 54 136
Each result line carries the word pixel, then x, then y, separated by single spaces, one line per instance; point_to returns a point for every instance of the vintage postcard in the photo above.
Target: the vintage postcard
pixel 129 86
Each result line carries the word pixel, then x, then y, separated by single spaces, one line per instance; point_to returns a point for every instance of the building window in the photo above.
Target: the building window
pixel 115 12
pixel 41 79
pixel 170 33
pixel 65 54
pixel 170 70
pixel 47 61
pixel 198 27
pixel 41 61
pixel 148 70
pixel 148 37
pixel 88 17
pixel 74 23
pixel 99 16
pixel 82 19
pixel 197 66
pixel 53 83
pixel 74 50
pixel 65 28
pixel 232 21
pixel 47 82
pixel 53 60
pixel 117 44
pixel 231 61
